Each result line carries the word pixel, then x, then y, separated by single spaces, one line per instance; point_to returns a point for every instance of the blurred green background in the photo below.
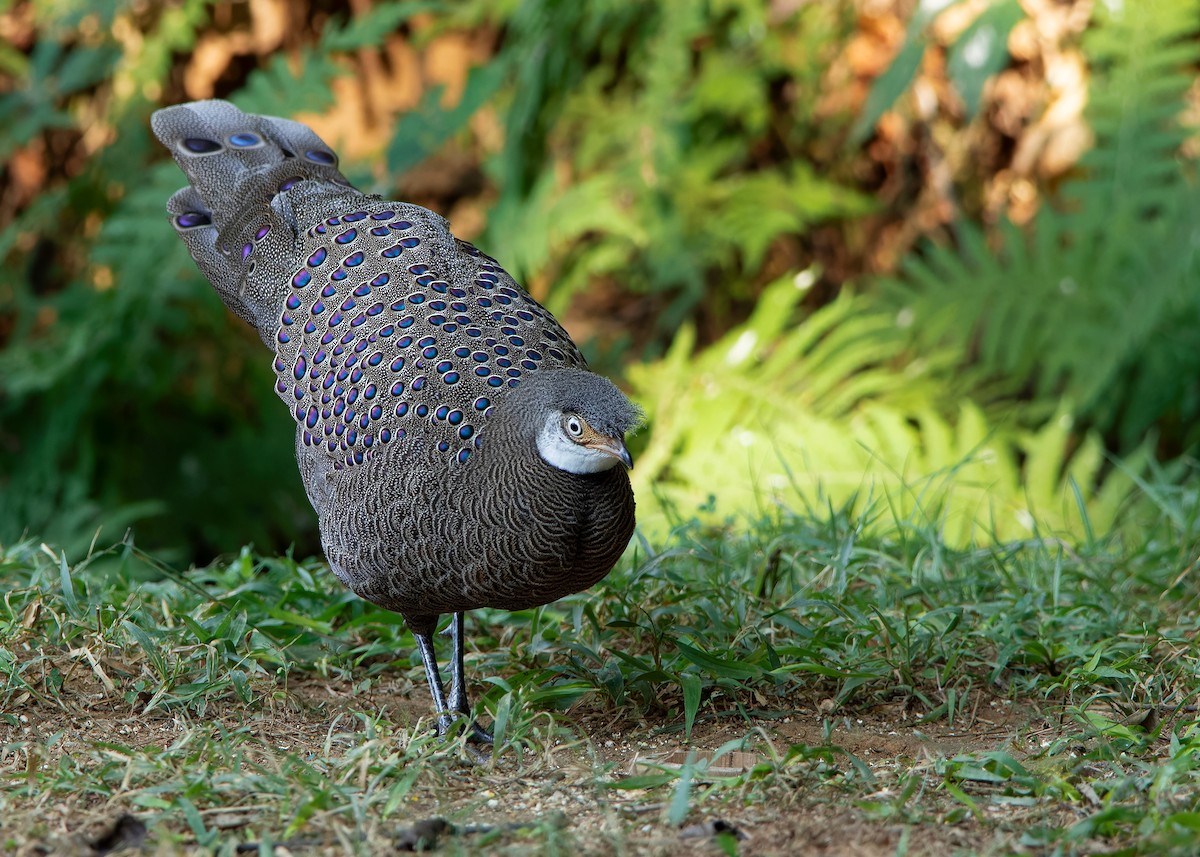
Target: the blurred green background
pixel 933 260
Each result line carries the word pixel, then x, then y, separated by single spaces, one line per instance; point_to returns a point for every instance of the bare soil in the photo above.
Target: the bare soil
pixel 805 814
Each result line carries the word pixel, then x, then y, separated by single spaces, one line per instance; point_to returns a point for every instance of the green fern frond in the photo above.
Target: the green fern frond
pixel 369 28
pixel 285 86
pixel 746 213
pixel 420 133
pixel 616 93
pixel 1079 306
pixel 828 410
pixel 291 84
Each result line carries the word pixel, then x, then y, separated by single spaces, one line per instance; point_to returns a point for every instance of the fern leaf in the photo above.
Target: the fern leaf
pixel 1072 307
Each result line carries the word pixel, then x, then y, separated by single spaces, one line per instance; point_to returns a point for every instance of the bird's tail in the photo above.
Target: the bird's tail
pixel 255 183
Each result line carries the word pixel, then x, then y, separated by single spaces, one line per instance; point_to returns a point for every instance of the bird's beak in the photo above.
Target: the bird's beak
pixel 615 447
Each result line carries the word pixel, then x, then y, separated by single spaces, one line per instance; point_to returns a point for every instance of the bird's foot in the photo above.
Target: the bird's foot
pixel 452 725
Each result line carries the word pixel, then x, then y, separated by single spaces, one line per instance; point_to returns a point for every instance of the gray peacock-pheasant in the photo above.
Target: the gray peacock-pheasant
pixel 451 440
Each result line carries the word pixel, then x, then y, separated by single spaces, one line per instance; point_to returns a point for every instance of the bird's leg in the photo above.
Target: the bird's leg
pixel 448 711
pixel 458 682
pixel 444 718
pixel 458 686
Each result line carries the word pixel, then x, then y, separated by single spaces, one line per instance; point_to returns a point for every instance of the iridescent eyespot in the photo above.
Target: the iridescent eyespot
pixel 192 219
pixel 199 146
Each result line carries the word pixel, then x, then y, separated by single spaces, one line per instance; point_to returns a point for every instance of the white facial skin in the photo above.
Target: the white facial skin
pixel 567 442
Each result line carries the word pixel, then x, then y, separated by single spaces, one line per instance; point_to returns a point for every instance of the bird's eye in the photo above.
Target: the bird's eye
pixel 573 426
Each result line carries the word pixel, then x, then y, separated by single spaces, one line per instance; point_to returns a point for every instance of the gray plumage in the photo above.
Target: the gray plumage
pixel 431 392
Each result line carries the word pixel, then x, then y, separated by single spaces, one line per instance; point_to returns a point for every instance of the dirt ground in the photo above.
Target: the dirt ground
pixel 790 816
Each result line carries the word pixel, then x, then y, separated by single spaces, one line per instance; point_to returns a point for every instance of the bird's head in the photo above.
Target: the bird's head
pixel 580 420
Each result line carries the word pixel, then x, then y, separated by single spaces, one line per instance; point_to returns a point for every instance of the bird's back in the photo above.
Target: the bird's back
pixel 386 328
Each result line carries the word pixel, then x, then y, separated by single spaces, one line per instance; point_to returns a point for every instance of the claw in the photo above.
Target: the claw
pixel 449 725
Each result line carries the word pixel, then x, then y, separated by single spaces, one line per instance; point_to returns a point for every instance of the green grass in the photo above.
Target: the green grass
pixel 1050 687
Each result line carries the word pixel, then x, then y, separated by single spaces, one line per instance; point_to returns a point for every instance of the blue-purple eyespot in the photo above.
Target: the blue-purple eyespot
pixel 200 146
pixel 192 219
pixel 244 140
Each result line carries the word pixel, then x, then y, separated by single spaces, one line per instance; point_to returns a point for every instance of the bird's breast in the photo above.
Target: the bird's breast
pixel 426 541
